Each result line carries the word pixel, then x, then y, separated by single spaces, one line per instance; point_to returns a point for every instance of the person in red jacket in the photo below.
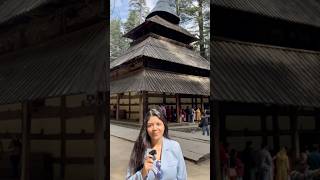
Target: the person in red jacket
pixel 224 157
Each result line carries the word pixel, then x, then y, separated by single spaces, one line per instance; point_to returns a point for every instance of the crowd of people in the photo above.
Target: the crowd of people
pixel 14 151
pixel 264 164
pixel 191 115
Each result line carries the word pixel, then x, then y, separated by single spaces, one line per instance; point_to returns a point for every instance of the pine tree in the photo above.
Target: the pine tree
pixel 194 15
pixel 132 21
pixel 140 7
pixel 117 42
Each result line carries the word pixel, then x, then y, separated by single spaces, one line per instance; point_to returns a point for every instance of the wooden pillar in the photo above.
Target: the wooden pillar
pixel 264 128
pixel 178 107
pixel 129 106
pixel 223 128
pixel 294 132
pixel 63 137
pixel 26 124
pixel 145 103
pixel 192 102
pixel 164 100
pixel 215 135
pixel 142 109
pixel 275 125
pixel 99 121
pixel 118 107
pixel 202 105
pixel 107 135
pixel 196 101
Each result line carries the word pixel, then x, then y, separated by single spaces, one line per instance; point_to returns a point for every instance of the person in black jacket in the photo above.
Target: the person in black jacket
pixel 248 161
pixel 204 124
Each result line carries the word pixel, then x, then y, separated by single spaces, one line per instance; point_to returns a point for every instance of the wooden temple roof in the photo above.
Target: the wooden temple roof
pixel 162 81
pixel 162 50
pixel 255 73
pixel 305 12
pixel 167 10
pixel 157 25
pixel 10 9
pixel 72 64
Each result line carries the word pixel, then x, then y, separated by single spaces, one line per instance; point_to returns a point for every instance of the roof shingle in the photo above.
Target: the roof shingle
pixel 253 73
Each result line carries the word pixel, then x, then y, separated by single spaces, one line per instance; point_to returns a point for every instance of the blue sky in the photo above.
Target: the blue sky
pixel 120 8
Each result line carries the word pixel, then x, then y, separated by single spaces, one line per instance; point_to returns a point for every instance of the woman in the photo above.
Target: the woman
pixel 198 115
pixel 282 164
pixel 235 166
pixel 168 162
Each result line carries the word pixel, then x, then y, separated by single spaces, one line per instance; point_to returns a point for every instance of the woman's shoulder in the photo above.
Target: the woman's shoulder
pixel 172 143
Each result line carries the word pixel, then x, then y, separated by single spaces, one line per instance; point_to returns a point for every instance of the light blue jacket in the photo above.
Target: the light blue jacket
pixel 173 166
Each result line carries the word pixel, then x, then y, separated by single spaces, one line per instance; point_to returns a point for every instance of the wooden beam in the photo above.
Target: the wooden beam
pixel 317 118
pixel 223 128
pixel 9 115
pixel 245 133
pixel 107 134
pixel 25 127
pixel 192 102
pixel 99 122
pixel 164 98
pixel 196 101
pixel 75 160
pixel 275 125
pixel 141 109
pixel 216 163
pixel 145 103
pixel 63 137
pixel 264 129
pixel 49 112
pixel 162 103
pixel 136 104
pixel 118 107
pixel 294 135
pixel 122 96
pixel 178 108
pixel 201 103
pixel 160 95
pixel 129 117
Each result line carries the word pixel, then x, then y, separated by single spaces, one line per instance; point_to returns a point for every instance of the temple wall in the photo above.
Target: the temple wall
pixel 253 123
pixel 51 126
pixel 154 100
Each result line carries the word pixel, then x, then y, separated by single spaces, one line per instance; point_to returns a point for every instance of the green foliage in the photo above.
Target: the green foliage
pixel 132 21
pixel 140 9
pixel 196 19
pixel 117 42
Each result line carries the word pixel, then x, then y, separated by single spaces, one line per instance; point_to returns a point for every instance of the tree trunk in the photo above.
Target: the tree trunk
pixel 177 7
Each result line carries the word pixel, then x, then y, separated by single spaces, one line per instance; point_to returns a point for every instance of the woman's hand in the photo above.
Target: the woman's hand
pixel 148 163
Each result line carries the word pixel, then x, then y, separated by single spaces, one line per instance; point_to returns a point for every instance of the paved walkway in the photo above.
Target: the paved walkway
pixel 195 146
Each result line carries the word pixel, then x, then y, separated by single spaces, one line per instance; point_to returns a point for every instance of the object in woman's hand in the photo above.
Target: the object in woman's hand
pixel 153 153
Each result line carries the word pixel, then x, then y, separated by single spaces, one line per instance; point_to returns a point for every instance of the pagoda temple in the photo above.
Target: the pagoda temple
pixel 159 67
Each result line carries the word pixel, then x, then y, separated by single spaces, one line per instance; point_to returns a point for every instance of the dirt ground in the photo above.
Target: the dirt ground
pixel 120 150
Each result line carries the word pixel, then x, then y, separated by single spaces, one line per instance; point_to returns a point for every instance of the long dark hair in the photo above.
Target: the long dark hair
pixel 143 141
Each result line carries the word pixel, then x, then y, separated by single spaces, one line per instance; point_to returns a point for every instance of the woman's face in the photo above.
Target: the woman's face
pixel 155 128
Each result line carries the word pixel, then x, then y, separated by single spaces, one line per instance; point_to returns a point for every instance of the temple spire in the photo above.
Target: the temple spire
pixel 167 10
